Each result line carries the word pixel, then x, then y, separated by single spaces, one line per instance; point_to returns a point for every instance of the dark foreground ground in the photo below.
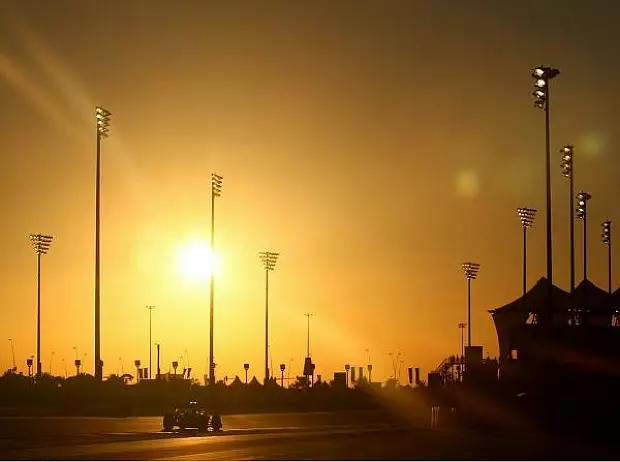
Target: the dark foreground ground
pixel 360 435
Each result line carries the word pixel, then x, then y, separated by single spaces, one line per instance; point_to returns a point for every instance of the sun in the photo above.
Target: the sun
pixel 195 263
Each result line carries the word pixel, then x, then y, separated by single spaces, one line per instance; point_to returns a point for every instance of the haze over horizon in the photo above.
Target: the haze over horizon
pixel 375 144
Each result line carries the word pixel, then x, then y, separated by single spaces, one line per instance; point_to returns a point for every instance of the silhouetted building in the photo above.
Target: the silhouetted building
pixel 170 376
pixel 340 380
pixel 576 353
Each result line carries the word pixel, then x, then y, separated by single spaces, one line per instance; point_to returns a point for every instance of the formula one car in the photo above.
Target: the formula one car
pixel 192 416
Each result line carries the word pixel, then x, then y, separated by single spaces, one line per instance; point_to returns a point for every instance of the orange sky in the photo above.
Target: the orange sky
pixel 375 145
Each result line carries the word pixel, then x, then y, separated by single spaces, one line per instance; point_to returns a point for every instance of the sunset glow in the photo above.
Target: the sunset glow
pixel 377 148
pixel 195 262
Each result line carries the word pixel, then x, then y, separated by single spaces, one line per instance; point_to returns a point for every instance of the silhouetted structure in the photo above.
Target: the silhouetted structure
pixel 542 100
pixel 216 191
pixel 41 244
pixel 569 366
pixel 102 120
pixel 568 170
pixel 269 262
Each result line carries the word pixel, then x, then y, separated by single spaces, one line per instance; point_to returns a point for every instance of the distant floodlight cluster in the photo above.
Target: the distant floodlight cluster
pixel 41 244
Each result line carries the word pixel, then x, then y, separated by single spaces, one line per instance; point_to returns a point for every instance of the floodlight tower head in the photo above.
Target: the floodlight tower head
pixel 269 259
pixel 582 204
pixel 216 184
pixel 471 270
pixel 527 216
pixel 567 161
pixel 606 236
pixel 542 75
pixel 102 116
pixel 41 243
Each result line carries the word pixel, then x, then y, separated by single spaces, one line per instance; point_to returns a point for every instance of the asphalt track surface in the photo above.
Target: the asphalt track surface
pixel 361 435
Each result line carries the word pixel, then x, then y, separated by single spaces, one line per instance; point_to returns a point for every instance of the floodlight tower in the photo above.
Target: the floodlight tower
pixel 102 119
pixel 41 244
pixel 606 237
pixel 14 368
pixel 568 172
pixel 582 213
pixel 462 326
pixel 246 366
pixel 269 263
pixel 308 315
pixel 471 271
pixel 150 308
pixel 542 77
pixel 216 191
pixel 527 221
pixel 282 367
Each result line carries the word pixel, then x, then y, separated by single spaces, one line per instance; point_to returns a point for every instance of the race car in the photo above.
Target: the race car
pixel 192 416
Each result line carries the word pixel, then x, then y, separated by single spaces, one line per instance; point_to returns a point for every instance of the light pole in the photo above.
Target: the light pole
pixel 78 361
pixel 137 363
pixel 542 76
pixel 269 263
pixel 14 368
pixel 471 271
pixel 582 213
pixel 394 362
pixel 369 365
pixel 527 220
pixel 216 191
pixel 150 308
pixel 282 367
pixel 606 237
pixel 288 373
pixel 462 326
pixel 246 366
pixel 308 315
pixel 271 364
pixel 568 172
pixel 158 375
pixel 41 244
pixel 102 119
